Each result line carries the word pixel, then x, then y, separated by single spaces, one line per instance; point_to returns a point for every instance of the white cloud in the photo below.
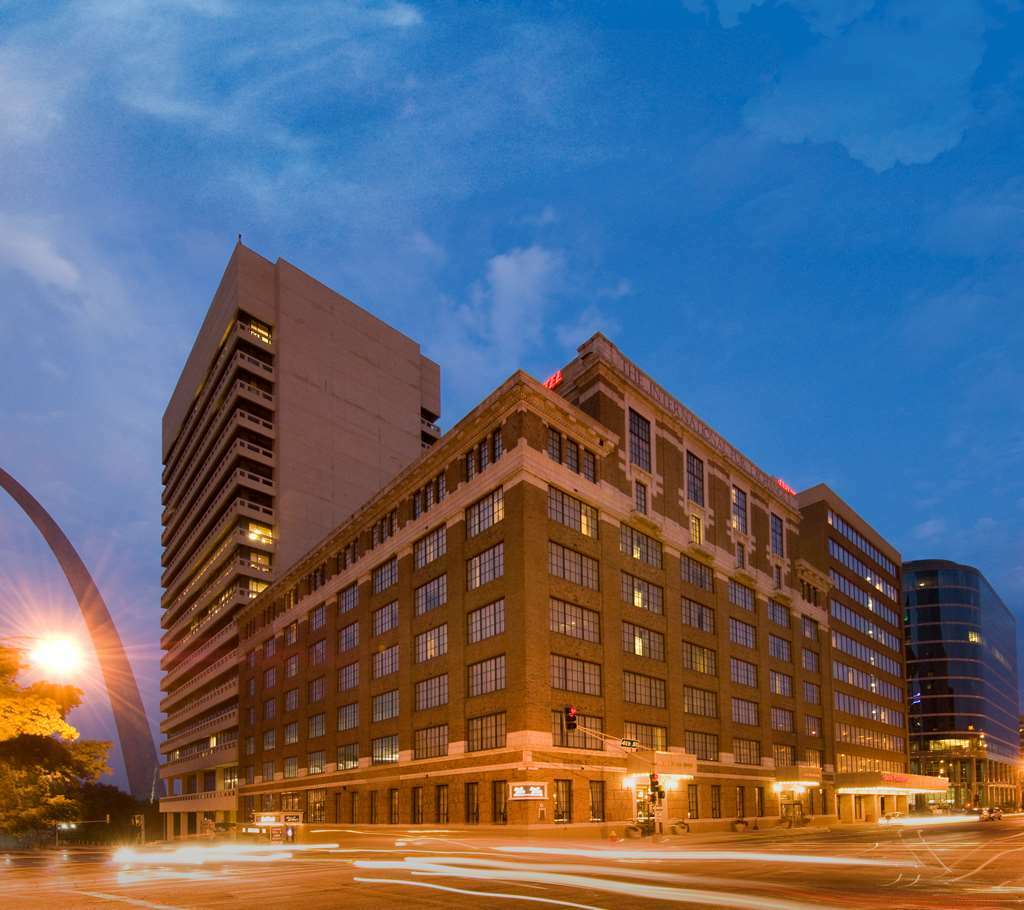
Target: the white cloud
pixel 622 288
pixel 929 530
pixel 891 88
pixel 27 246
pixel 572 334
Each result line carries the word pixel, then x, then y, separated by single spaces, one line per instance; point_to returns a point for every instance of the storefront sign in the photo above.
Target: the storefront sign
pixel 527 791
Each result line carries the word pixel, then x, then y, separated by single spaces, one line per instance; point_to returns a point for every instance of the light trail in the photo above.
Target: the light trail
pixel 928 821
pixel 470 892
pixel 528 875
pixel 706 855
pixel 196 855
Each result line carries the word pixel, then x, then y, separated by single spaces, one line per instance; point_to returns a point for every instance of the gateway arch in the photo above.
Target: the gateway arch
pixel 136 739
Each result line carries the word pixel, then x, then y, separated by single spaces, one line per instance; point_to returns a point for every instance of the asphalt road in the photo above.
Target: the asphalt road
pixel 970 865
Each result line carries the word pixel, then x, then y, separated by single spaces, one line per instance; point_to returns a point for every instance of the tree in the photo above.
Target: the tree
pixel 43 763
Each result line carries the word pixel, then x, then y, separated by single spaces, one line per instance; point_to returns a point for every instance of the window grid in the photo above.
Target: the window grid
pixel 780 683
pixel 694 479
pixel 431 595
pixel 430 644
pixel 430 742
pixel 574 675
pixel 486 622
pixel 702 745
pixel 742 633
pixel 642 642
pixel 739 510
pixel 385 705
pixel 698 616
pixel 746 751
pixel 574 621
pixel 643 690
pixel 485 513
pixel 741 596
pixel 486 675
pixel 572 512
pixel 580 738
pixel 485 567
pixel 572 566
pixel 431 693
pixel 744 712
pixel 696 573
pixel 643 594
pixel 487 732
pixel 385 618
pixel 700 659
pixel 780 648
pixel 778 614
pixel 431 547
pixel 348 677
pixel 639 440
pixel 348 756
pixel 649 736
pixel 639 546
pixel 743 672
pixel 385 662
pixel 384 750
pixel 348 598
pixel 701 702
pixel 385 576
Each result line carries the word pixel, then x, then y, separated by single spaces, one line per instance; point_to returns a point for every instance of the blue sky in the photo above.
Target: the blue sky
pixel 804 218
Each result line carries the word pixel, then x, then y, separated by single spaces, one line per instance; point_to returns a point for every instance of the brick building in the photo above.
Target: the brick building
pixel 586 542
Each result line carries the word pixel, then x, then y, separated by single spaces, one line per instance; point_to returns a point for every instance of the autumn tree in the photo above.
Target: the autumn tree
pixel 43 763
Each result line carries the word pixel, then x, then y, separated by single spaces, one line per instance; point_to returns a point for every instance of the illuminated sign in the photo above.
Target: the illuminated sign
pixel 782 485
pixel 527 791
pixel 268 820
pixel 292 819
pixel 553 380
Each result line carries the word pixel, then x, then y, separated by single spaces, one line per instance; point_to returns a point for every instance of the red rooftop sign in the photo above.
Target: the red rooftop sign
pixel 553 380
pixel 782 485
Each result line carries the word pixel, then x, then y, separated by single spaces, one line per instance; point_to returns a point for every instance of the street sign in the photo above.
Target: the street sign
pixel 629 744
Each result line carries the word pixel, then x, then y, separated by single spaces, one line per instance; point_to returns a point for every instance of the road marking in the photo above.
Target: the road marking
pixel 991 859
pixel 470 891
pixel 135 902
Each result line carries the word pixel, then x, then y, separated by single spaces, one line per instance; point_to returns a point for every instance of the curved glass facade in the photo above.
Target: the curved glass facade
pixel 962 682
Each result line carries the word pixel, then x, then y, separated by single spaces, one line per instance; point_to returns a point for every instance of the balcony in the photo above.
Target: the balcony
pixel 186 656
pixel 218 668
pixel 199 411
pixel 225 721
pixel 207 801
pixel 225 450
pixel 204 760
pixel 204 702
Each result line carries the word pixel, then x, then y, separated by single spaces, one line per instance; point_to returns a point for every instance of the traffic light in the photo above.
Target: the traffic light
pixel 570 717
pixel 656 789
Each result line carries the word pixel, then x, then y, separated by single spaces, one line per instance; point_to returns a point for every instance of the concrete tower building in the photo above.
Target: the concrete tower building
pixel 293 408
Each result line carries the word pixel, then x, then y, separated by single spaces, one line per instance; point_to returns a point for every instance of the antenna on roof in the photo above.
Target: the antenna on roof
pixel 239 236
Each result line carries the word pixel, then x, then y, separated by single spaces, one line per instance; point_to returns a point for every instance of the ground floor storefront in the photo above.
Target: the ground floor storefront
pixel 870 796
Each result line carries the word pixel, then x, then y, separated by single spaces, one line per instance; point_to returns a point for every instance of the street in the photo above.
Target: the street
pixel 971 864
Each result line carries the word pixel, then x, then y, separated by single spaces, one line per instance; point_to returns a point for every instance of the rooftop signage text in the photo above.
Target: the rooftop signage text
pixel 608 352
pixel 555 379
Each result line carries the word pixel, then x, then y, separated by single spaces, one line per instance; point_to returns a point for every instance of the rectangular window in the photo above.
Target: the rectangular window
pixel 640 497
pixel 431 547
pixel 574 621
pixel 642 642
pixel 572 566
pixel 497 446
pixel 699 659
pixel 703 745
pixel 385 576
pixel 782 720
pixel 638 689
pixel 269 739
pixel 574 675
pixel 809 628
pixel 348 756
pixel 780 683
pixel 563 801
pixel 741 596
pixel 315 762
pixel 384 750
pixel 696 573
pixel 348 717
pixel 812 725
pixel 348 598
pixel 648 735
pixel 471 802
pixel 291 733
pixel 431 595
pixel 744 712
pixel 698 616
pixel 554 445
pixel 487 732
pixel 596 800
pixel 290 768
pixel 743 672
pixel 484 453
pixel 701 702
pixel 742 633
pixel 485 513
pixel 316 725
pixel 385 662
pixel 776 534
pixel 348 638
pixel 470 464
pixel 581 738
pixel 385 618
pixel 318 652
pixel 485 567
pixel 746 751
pixel 784 755
pixel 348 677
pixel 639 546
pixel 317 618
pixel 315 690
pixel 270 677
pixel 269 648
pixel 811 661
pixel 589 466
pixel 441 804
pixel 430 742
pixel 572 456
pixel 417 805
pixel 812 693
pixel 692 801
pixel 639 440
pixel 486 622
pixel 716 800
pixel 269 708
pixel 696 535
pixel 291 667
pixel 642 594
pixel 430 644
pixel 741 556
pixel 778 614
pixel 780 648
pixel 486 675
pixel 572 512
pixel 739 510
pixel 431 693
pixel 291 699
pixel 385 705
pixel 694 479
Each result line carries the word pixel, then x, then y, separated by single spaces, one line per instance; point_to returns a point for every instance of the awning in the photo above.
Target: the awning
pixel 797 777
pixel 888 783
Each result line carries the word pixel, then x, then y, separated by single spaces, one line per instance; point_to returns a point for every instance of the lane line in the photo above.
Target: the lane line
pixel 135 902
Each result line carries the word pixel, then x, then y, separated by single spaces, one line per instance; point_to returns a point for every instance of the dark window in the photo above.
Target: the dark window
pixel 777 541
pixel 694 479
pixel 639 440
pixel 597 800
pixel 499 802
pixel 739 510
pixel 563 800
pixel 441 804
pixel 472 803
pixel 716 800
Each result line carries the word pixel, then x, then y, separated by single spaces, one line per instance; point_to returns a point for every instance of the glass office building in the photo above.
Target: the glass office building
pixel 962 683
